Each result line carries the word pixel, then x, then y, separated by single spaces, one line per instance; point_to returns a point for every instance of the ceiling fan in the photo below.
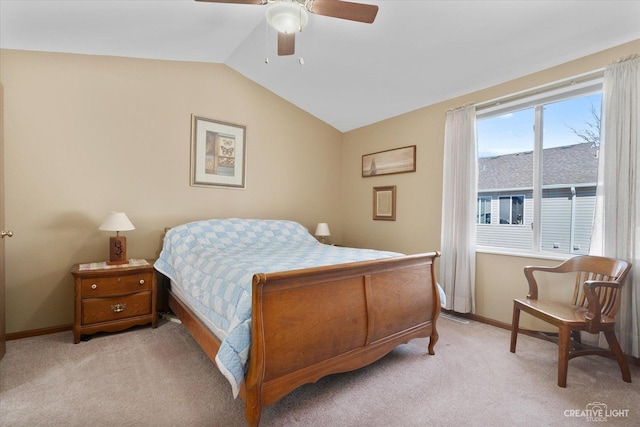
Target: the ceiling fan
pixel 291 16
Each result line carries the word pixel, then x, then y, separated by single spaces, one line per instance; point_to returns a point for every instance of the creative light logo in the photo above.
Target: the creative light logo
pixel 596 412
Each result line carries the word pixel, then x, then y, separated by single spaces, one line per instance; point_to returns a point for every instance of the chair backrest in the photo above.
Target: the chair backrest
pixel 589 267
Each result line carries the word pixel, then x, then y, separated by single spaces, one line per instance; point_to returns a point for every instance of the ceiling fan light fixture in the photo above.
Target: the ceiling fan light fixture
pixel 287 17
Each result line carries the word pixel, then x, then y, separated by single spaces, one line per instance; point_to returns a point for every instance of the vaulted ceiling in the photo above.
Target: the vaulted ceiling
pixel 416 53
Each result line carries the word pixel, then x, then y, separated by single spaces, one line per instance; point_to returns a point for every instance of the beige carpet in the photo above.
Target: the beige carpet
pixel 146 377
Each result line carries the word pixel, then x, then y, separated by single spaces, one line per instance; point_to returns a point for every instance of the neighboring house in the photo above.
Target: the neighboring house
pixel 505 191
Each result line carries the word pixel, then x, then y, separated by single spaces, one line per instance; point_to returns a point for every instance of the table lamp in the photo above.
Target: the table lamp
pixel 117 221
pixel 322 231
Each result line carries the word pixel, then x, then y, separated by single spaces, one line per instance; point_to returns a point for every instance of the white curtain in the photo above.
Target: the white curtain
pixel 459 193
pixel 617 219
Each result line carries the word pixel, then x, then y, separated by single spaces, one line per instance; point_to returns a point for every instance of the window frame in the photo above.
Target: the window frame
pixel 536 99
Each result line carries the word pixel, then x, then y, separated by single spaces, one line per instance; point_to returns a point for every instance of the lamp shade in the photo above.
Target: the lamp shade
pixel 322 230
pixel 116 221
pixel 287 17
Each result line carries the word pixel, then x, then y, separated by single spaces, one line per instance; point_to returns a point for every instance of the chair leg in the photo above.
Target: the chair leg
pixel 515 324
pixel 615 348
pixel 575 335
pixel 564 344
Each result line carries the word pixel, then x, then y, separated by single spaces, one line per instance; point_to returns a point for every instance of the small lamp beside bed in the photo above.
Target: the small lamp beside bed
pixel 322 231
pixel 117 221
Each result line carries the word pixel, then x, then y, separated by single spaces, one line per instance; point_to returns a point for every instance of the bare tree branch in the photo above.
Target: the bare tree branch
pixel 591 133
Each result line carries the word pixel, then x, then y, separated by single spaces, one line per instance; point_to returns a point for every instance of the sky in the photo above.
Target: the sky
pixel 513 132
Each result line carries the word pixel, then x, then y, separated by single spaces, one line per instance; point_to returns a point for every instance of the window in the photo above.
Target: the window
pixel 537 171
pixel 484 210
pixel 512 210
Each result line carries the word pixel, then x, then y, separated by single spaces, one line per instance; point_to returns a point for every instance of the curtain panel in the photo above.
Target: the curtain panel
pixel 617 217
pixel 459 192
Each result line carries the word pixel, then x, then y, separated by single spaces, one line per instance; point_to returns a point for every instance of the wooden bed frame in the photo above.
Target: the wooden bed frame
pixel 313 322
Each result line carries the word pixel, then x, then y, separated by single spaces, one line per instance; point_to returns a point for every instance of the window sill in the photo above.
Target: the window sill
pixel 522 254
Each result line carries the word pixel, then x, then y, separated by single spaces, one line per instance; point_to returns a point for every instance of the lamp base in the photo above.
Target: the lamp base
pixel 117 250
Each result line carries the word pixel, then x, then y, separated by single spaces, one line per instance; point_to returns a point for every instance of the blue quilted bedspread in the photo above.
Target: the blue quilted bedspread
pixel 213 262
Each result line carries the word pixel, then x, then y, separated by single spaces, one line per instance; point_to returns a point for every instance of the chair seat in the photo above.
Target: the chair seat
pixel 560 313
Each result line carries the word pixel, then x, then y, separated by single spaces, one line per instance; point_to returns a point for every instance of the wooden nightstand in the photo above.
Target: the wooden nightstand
pixel 113 298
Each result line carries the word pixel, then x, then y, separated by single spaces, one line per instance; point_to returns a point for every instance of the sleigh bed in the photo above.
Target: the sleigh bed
pixel 275 309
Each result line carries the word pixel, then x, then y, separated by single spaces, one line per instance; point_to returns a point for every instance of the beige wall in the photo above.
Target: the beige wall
pixel 499 279
pixel 85 135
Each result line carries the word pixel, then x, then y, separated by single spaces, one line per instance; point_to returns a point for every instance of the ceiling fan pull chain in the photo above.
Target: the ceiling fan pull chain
pixel 266 42
pixel 300 19
pixel 300 58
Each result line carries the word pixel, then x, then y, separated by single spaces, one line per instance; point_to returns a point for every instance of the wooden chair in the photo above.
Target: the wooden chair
pixel 596 300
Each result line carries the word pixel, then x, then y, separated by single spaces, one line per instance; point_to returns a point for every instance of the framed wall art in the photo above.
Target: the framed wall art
pixel 218 153
pixel 397 160
pixel 384 203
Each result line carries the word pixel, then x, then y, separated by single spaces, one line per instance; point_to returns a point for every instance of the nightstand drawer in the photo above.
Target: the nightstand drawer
pixel 108 309
pixel 116 285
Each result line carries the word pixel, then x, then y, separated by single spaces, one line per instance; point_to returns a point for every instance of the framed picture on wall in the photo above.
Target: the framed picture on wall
pixel 384 203
pixel 218 153
pixel 398 160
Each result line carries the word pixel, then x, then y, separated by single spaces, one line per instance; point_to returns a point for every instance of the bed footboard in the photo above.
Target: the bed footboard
pixel 310 323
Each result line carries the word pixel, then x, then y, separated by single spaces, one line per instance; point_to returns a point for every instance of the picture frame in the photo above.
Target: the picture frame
pixel 384 203
pixel 218 153
pixel 396 160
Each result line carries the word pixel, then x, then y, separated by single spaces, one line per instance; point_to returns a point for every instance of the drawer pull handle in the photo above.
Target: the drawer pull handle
pixel 94 286
pixel 142 281
pixel 117 308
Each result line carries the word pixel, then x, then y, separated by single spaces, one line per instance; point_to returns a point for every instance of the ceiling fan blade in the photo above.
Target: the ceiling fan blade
pixel 286 44
pixel 236 1
pixel 345 10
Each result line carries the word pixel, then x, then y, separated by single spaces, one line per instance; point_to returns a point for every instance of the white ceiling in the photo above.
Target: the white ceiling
pixel 416 53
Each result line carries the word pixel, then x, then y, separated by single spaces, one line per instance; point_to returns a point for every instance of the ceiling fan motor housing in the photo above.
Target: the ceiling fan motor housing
pixel 287 17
